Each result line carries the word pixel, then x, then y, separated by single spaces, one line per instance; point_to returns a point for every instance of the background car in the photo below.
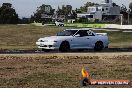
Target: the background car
pixel 59 23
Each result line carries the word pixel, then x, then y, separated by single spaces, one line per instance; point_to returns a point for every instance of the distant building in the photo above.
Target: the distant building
pixel 99 12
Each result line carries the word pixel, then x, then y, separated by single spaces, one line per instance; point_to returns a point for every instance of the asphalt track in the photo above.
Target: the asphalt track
pixel 109 50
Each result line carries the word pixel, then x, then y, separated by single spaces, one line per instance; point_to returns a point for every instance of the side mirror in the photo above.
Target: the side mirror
pixel 78 35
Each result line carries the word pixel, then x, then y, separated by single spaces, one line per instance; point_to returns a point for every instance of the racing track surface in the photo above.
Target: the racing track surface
pixel 109 50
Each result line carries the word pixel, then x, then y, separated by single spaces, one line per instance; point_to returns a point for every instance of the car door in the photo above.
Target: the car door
pixel 80 40
pixel 91 39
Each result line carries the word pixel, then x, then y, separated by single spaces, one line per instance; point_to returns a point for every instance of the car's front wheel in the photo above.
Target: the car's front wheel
pixel 62 24
pixel 98 46
pixel 64 47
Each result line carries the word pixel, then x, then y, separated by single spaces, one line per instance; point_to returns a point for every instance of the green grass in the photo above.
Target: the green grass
pixel 25 36
pixel 86 25
pixel 119 39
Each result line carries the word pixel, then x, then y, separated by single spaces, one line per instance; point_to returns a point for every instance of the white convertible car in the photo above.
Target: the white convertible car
pixel 68 39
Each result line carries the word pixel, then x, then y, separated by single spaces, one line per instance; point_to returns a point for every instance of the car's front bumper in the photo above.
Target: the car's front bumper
pixel 47 45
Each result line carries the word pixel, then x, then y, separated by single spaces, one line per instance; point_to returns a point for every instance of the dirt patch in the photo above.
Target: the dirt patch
pixel 61 71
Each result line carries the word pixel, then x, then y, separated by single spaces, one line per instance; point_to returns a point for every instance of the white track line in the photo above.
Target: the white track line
pixel 112 30
pixel 127 31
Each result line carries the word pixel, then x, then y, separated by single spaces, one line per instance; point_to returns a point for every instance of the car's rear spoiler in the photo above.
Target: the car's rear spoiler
pixel 104 34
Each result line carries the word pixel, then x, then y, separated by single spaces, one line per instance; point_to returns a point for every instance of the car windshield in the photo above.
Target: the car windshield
pixel 67 33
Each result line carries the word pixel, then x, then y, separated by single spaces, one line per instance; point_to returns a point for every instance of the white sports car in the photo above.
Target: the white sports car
pixel 74 39
pixel 59 23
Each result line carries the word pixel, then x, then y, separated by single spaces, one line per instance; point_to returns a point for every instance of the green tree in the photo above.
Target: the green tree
pixel 66 10
pixel 77 10
pixel 8 14
pixel 74 14
pixel 59 11
pixel 114 4
pixel 43 9
pixel 123 9
pixel 130 6
pixel 88 4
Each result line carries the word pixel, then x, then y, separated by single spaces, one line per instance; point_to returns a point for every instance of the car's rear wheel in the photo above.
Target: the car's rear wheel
pixel 98 46
pixel 80 50
pixel 64 47
pixel 46 50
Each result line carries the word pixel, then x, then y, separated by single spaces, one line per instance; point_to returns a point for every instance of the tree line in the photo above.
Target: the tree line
pixel 8 14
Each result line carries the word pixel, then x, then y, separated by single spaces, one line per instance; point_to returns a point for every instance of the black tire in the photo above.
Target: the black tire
pixel 46 50
pixel 98 46
pixel 106 47
pixel 42 23
pixel 81 50
pixel 64 47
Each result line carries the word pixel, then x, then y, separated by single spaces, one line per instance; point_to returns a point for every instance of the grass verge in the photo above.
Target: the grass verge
pixel 86 25
pixel 25 36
